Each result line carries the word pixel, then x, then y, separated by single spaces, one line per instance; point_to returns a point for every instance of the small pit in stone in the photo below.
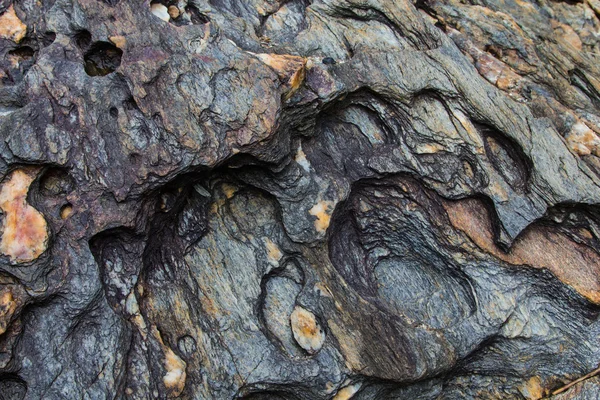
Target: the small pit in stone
pixel 22 53
pixel 102 59
pixel 196 17
pixel 83 39
pixel 17 63
pixel 56 182
pixel 12 388
pixel 48 38
pixel 187 346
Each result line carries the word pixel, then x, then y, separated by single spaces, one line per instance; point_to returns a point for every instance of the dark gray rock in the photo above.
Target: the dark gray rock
pixel 327 199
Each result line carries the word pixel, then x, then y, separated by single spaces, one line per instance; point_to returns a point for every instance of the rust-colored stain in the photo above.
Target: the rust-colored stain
pixel 350 342
pixel 290 69
pixel 118 41
pixel 533 389
pixel 321 210
pixel 8 305
pixel 574 264
pixel 11 27
pixel 25 232
pixel 565 34
pixel 582 140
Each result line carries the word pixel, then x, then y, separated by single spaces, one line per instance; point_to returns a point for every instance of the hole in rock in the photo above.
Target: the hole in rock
pixel 196 16
pixel 22 53
pixel 135 158
pixel 56 182
pixel 48 38
pixel 102 58
pixel 83 39
pixel 12 388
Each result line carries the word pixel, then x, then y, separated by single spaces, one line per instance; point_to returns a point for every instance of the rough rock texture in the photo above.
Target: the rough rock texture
pixel 296 199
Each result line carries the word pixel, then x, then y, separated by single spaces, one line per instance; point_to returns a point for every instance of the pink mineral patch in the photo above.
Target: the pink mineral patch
pixel 24 229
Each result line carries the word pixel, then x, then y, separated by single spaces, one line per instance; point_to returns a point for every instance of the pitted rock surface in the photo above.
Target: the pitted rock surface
pixel 299 199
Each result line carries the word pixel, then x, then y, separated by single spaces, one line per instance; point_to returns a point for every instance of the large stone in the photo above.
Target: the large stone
pixel 326 199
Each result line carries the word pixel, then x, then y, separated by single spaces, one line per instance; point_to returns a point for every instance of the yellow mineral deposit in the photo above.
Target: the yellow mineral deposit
pixel 173 11
pixel 321 210
pixel 133 309
pixel 350 342
pixel 429 148
pixel 25 233
pixel 118 41
pixel 8 305
pixel 347 392
pixel 66 211
pixel 229 190
pixel 11 27
pixel 291 69
pixel 174 379
pixel 273 252
pixel 307 330
pixel 533 390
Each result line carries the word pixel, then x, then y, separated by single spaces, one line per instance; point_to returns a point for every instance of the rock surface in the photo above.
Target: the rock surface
pixel 326 199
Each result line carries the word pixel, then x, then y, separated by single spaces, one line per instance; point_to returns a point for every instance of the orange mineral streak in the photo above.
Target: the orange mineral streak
pixel 306 330
pixel 572 263
pixel 25 232
pixel 11 27
pixel 174 379
pixel 533 389
pixel 8 305
pixel 118 41
pixel 322 210
pixel 290 69
pixel 307 326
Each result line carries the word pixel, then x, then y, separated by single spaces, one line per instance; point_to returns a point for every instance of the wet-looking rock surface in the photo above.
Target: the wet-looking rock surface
pixel 299 199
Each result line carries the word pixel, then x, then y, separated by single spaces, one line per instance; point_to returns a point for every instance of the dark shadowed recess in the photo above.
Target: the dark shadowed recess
pixel 507 157
pixel 102 58
pixel 267 391
pixel 12 387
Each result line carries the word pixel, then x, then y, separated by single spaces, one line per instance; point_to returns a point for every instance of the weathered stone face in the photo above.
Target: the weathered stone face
pixel 326 199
